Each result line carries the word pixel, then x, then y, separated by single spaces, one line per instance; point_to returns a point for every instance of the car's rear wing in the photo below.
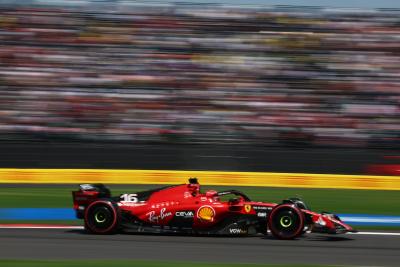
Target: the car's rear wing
pixel 86 194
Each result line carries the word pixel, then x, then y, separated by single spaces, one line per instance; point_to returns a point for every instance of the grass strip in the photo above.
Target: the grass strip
pixel 333 200
pixel 131 263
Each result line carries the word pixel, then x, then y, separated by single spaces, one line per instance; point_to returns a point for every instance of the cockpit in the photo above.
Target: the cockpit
pixel 238 196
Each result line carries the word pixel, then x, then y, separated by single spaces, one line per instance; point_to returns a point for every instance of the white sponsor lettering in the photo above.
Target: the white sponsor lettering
pixel 261 214
pixel 261 208
pixel 163 204
pixel 129 197
pixel 237 231
pixel 153 217
pixel 130 204
pixel 184 213
pixel 87 187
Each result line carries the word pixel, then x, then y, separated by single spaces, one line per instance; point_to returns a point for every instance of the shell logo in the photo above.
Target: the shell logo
pixel 206 213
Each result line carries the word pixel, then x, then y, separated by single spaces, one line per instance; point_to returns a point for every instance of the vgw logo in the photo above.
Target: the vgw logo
pixel 237 231
pixel 186 214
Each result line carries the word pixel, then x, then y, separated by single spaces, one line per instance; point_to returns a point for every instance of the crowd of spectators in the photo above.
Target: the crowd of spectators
pixel 201 74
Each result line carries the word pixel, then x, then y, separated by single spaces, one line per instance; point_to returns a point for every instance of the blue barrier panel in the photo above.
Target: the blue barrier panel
pixel 365 219
pixel 37 214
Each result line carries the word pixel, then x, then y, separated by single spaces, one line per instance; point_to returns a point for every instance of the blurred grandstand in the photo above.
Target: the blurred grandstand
pixel 200 74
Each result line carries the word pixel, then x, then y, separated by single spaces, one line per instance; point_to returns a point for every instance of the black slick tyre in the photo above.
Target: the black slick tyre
pixel 286 221
pixel 101 217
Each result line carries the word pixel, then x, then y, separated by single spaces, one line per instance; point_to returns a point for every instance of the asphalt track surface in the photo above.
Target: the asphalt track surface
pixel 359 250
pixel 229 157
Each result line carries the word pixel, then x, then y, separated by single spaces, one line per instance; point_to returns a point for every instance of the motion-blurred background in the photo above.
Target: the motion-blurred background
pixel 99 90
pixel 181 74
pixel 200 74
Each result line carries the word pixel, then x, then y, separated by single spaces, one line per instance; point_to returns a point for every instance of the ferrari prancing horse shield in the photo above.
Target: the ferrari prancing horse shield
pixel 247 208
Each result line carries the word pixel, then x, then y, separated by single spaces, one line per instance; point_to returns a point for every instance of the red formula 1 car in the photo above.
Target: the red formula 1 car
pixel 184 209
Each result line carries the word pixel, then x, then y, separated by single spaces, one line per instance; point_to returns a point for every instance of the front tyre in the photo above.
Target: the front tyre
pixel 101 217
pixel 286 221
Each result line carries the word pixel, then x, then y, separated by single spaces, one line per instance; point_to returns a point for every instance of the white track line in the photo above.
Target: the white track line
pixel 375 233
pixel 75 227
pixel 41 227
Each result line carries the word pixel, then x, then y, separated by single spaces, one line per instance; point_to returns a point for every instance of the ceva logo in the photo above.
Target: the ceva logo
pixel 187 214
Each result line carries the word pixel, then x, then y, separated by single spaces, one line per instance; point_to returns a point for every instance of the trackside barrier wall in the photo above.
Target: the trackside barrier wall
pixel 76 176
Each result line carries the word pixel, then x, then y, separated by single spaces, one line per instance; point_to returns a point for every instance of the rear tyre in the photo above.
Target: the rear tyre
pixel 286 222
pixel 101 217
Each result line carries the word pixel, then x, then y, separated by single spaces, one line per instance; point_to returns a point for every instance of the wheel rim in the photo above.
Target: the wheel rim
pixel 100 217
pixel 286 221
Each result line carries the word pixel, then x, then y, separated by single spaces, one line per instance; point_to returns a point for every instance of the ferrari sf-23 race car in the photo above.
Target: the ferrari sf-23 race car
pixel 184 209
